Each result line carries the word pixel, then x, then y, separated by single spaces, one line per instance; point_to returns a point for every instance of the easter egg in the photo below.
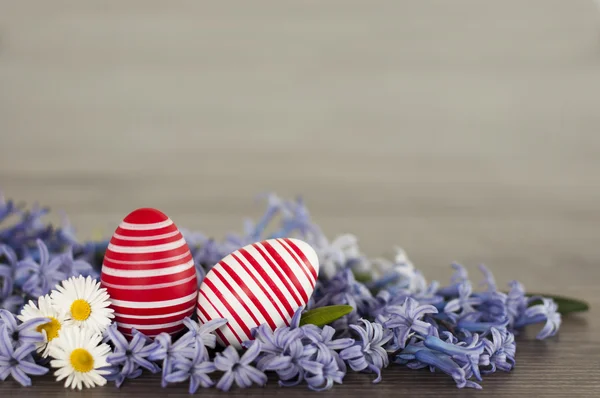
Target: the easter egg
pixel 261 283
pixel 149 273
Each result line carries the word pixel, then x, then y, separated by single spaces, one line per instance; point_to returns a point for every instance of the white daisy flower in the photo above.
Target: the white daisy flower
pixel 51 330
pixel 85 302
pixel 79 354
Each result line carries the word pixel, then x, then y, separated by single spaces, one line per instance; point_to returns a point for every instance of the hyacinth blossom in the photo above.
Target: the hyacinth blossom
pixel 22 333
pixel 464 330
pixel 39 277
pixel 128 358
pixel 239 370
pixel 368 352
pixel 168 353
pixel 406 319
pixel 196 369
pixel 16 360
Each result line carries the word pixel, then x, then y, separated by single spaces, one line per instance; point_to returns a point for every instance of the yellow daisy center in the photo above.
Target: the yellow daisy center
pixel 81 360
pixel 80 310
pixel 52 328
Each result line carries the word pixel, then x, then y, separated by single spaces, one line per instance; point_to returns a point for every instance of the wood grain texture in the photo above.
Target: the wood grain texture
pixel 462 130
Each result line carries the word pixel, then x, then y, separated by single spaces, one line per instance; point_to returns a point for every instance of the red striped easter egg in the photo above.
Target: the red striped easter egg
pixel 149 273
pixel 261 283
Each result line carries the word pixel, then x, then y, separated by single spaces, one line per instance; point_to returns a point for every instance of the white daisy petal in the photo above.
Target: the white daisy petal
pixel 69 381
pixel 98 379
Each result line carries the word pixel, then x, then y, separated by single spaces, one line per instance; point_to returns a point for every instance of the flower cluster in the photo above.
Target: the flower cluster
pixel 468 333
pixel 53 313
pixel 301 353
pixel 65 328
pixel 73 318
pixel 36 273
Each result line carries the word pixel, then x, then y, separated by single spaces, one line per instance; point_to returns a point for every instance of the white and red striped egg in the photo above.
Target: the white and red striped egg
pixel 261 283
pixel 149 273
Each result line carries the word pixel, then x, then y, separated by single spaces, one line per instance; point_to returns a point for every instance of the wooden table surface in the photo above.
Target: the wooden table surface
pixel 459 130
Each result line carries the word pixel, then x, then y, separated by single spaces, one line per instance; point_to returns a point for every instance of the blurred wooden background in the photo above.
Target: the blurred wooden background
pixel 460 130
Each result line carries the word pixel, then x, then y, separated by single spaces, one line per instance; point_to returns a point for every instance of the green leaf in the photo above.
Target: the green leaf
pixel 566 305
pixel 362 277
pixel 323 315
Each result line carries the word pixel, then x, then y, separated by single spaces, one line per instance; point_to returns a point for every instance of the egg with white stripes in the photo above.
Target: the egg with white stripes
pixel 261 283
pixel 149 273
